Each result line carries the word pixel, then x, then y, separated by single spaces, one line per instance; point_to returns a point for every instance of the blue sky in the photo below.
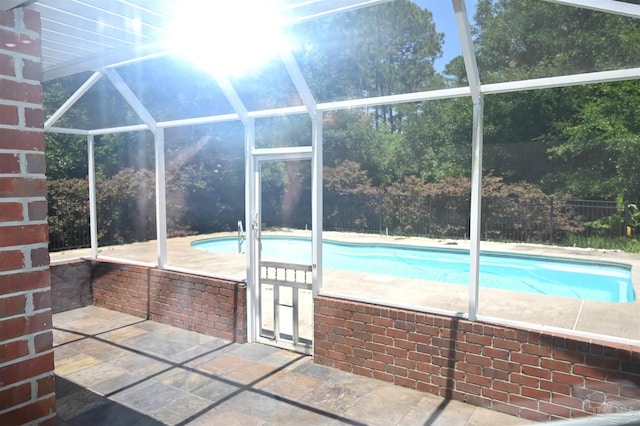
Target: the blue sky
pixel 445 21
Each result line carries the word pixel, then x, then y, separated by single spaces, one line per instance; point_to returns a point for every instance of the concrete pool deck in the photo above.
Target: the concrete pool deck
pixel 620 320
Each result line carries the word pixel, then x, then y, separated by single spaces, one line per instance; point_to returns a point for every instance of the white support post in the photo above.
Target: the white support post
pixel 93 211
pixel 252 248
pixel 475 213
pixel 161 199
pixel 316 203
pixel 316 165
pixel 473 75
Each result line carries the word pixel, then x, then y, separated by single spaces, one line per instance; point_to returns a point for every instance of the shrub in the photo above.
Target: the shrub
pixel 125 210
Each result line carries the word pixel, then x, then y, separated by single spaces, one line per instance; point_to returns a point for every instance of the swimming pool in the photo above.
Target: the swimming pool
pixel 603 281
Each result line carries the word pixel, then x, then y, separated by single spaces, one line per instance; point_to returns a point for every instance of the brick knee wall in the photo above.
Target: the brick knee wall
pixel 121 287
pixel 26 355
pixel 207 305
pixel 526 373
pixel 70 285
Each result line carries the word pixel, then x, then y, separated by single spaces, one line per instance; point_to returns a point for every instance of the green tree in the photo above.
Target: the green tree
pixel 65 154
pixel 438 140
pixel 205 176
pixel 350 198
pixel 352 136
pixel 599 154
pixel 518 39
pixel 100 107
pixel 375 51
pixel 548 137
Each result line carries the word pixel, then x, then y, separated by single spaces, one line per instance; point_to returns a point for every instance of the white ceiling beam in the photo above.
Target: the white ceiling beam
pixel 133 53
pixel 72 99
pixel 199 120
pixel 609 6
pixel 233 98
pixel 123 88
pixel 344 6
pixel 562 81
pixel 459 92
pixel 67 131
pixel 122 129
pixel 299 81
pixel 274 112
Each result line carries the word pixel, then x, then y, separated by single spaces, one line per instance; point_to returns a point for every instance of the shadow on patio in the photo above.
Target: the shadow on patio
pixel 116 369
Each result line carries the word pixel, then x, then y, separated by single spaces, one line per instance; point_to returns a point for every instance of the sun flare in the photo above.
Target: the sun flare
pixel 226 37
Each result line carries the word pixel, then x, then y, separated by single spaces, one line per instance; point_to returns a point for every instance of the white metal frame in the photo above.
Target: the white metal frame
pixel 254 156
pixel 254 217
pixel 473 76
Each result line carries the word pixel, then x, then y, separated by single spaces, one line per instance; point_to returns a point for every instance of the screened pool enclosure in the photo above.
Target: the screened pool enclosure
pixel 409 92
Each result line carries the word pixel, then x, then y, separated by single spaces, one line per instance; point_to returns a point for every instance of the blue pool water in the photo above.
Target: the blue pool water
pixel 603 281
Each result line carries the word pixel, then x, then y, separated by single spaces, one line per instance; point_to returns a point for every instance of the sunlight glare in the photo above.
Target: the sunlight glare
pixel 226 37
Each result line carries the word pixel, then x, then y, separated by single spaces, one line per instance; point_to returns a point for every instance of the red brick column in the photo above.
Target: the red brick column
pixel 27 391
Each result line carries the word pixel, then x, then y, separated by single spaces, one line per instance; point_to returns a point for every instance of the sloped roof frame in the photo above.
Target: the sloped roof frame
pixel 298 11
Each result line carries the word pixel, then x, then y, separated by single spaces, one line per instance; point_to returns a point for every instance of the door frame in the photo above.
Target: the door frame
pixel 276 339
pixel 254 157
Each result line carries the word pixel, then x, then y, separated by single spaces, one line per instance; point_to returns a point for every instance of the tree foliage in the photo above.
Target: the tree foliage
pixel 519 39
pixel 603 138
pixel 569 139
pixel 382 50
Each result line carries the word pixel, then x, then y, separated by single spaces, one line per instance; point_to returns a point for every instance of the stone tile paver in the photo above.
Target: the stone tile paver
pixel 77 403
pixel 149 396
pixel 237 368
pixel 227 417
pixel 376 411
pixel 91 376
pixel 123 334
pixel 293 386
pixel 147 373
pixel 75 363
pixel 180 410
pixel 98 349
pixel 338 398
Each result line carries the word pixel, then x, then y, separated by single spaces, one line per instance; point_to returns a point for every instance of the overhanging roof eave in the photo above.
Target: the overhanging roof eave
pixel 158 47
pixel 115 58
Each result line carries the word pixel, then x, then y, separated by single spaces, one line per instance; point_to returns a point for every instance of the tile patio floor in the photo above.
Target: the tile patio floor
pixel 115 369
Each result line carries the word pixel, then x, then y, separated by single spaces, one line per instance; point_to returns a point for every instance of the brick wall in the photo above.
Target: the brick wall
pixel 207 305
pixel 26 355
pixel 121 287
pixel 538 376
pixel 70 285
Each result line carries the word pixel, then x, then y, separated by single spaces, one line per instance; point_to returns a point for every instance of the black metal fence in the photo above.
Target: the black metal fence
pixel 69 226
pixel 554 221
